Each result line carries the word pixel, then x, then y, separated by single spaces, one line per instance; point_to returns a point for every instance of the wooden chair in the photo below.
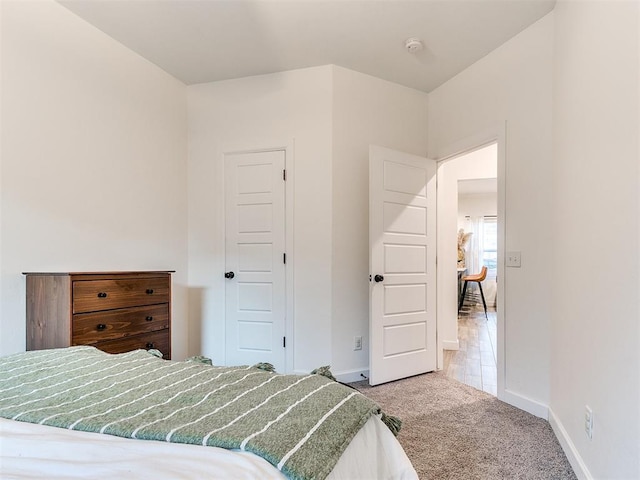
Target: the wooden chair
pixel 478 277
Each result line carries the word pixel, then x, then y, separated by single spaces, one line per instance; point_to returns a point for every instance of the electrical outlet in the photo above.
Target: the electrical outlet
pixel 513 259
pixel 357 343
pixel 588 421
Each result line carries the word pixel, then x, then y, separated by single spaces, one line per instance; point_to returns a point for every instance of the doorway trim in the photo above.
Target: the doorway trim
pixel 496 135
pixel 288 147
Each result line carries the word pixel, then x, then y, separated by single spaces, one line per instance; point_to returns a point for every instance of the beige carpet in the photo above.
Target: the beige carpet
pixel 453 431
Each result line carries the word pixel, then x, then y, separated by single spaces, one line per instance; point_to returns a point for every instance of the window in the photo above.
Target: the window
pixel 490 245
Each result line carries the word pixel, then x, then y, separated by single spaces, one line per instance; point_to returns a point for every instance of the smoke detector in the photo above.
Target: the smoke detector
pixel 413 45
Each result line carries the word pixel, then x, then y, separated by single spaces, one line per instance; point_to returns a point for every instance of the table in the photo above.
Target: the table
pixel 461 273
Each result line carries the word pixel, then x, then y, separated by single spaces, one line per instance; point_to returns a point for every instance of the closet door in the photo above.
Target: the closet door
pixel 255 269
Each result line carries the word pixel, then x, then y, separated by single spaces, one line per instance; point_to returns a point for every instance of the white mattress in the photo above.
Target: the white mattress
pixel 29 451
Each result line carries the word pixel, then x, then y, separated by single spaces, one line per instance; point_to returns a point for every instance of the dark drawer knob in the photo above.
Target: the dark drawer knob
pixel 102 295
pixel 149 291
pixel 378 278
pixel 148 319
pixel 229 275
pixel 149 345
pixel 101 326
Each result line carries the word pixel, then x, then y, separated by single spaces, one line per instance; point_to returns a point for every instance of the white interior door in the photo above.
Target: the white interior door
pixel 255 269
pixel 402 244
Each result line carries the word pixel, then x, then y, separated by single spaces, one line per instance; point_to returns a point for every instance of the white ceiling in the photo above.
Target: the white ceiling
pixel 201 41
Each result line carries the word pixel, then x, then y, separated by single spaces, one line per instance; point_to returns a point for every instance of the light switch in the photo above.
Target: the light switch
pixel 513 259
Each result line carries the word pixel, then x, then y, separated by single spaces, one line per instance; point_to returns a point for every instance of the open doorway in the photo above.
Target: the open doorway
pixel 475 363
pixel 468 206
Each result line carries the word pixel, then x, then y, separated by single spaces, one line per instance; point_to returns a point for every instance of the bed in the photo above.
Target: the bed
pixel 78 412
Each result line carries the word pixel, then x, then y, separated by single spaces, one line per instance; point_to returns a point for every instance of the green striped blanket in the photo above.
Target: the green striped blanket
pixel 300 424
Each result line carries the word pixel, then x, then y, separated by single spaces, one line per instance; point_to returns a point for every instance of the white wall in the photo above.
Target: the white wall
pixel 513 84
pixel 94 147
pixel 479 164
pixel 595 271
pixel 332 115
pixel 366 110
pixel 476 205
pixel 258 112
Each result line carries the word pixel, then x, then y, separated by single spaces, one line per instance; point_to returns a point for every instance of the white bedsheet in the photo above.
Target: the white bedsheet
pixel 29 452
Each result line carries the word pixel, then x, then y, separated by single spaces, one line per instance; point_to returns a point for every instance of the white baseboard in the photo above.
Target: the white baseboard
pixel 450 345
pixel 544 411
pixel 523 403
pixel 349 376
pixel 580 469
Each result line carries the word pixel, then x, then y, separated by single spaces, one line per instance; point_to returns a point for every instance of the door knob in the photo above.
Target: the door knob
pixel 229 275
pixel 378 278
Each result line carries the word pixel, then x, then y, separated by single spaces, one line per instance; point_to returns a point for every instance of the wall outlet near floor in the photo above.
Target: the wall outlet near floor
pixel 588 421
pixel 357 343
pixel 513 259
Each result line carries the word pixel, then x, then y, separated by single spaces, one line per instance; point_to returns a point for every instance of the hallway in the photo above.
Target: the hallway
pixel 475 362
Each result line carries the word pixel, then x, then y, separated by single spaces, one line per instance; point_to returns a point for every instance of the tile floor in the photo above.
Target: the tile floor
pixel 475 362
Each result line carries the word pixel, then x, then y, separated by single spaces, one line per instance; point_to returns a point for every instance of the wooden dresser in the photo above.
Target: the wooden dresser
pixel 113 311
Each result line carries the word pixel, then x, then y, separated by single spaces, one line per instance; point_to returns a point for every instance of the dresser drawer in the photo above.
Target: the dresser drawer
pixel 158 340
pixel 89 328
pixel 94 295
